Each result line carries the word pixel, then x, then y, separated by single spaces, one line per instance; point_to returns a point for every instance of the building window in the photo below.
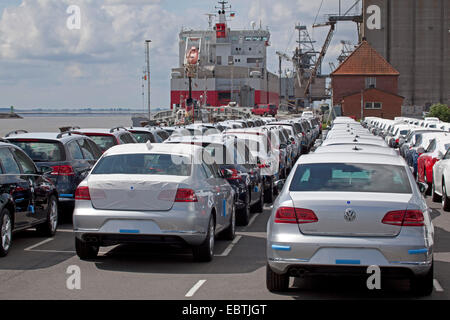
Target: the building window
pixel 374 105
pixel 371 82
pixel 219 60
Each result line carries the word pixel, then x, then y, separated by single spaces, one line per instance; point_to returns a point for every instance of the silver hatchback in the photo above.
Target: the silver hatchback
pixel 153 193
pixel 343 212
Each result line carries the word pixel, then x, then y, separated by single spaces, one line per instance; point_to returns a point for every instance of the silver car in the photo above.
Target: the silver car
pixel 153 193
pixel 343 212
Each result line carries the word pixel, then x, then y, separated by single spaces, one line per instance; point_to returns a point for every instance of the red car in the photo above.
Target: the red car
pixel 425 163
pixel 265 110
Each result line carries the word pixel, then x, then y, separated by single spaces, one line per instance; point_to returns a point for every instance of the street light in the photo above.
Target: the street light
pixel 147 42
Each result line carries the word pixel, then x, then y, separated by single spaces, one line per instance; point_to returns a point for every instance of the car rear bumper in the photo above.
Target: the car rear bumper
pixel 186 223
pixel 321 253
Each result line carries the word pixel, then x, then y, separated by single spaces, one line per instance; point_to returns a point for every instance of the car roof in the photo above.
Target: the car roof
pixel 56 136
pixel 98 130
pixel 356 148
pixel 351 157
pixel 133 148
pixel 219 139
pixel 351 140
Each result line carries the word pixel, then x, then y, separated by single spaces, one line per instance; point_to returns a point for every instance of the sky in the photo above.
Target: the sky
pixel 45 64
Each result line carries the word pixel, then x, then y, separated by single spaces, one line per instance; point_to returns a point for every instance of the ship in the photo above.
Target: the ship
pixel 231 67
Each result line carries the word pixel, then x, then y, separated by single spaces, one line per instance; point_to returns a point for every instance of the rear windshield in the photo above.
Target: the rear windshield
pixel 42 151
pixel 143 137
pixel 104 142
pixel 342 177
pixel 144 164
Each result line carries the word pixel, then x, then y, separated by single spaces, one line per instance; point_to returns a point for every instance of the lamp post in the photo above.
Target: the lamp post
pixel 147 42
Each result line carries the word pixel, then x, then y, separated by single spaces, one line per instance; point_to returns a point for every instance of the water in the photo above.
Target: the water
pixel 52 124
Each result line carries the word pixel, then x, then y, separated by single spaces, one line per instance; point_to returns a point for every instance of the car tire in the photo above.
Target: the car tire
pixel 48 228
pixel 428 193
pixel 6 227
pixel 84 250
pixel 259 207
pixel 436 197
pixel 230 232
pixel 268 194
pixel 276 282
pixel 244 215
pixel 423 285
pixel 445 199
pixel 205 251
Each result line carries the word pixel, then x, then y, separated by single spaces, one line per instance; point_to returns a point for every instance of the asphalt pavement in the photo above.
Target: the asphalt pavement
pixel 42 268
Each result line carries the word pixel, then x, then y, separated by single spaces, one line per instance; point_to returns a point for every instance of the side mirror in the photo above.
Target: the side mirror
pixel 423 187
pixel 45 170
pixel 280 184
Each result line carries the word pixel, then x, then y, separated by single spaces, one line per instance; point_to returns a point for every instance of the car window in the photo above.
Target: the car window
pixel 163 135
pixel 208 171
pixel 104 141
pixel 75 151
pixel 42 151
pixel 8 162
pixel 144 164
pixel 447 155
pixel 25 162
pixel 143 137
pixel 95 149
pixel 88 153
pixel 126 138
pixel 352 177
pixel 432 146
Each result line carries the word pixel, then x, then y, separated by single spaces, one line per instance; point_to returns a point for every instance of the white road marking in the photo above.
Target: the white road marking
pixel 437 286
pixel 38 244
pixel 252 220
pixel 227 251
pixel 65 230
pixel 195 288
pixel 62 251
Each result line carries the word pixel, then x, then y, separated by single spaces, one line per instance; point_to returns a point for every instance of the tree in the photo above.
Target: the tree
pixel 440 111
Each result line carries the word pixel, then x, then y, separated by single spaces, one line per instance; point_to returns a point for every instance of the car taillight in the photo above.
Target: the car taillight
pixel 62 171
pixel 295 215
pixel 262 165
pixel 406 218
pixel 397 140
pixel 82 193
pixel 185 195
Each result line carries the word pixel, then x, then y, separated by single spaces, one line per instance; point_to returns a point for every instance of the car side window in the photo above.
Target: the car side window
pixel 95 149
pixel 126 138
pixel 447 155
pixel 25 162
pixel 75 151
pixel 86 149
pixel 207 171
pixel 8 162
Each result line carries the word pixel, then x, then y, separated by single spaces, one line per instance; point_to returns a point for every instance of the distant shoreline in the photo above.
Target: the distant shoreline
pixel 10 116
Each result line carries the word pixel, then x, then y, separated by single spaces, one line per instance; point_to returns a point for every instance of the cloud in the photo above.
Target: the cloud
pixel 107 53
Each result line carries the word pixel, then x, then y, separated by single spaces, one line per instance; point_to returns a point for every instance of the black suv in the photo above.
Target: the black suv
pixel 27 198
pixel 71 157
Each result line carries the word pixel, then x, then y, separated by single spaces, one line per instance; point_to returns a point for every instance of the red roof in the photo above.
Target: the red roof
pixel 365 60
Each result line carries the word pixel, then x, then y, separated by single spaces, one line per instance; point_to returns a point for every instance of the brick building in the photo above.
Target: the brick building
pixel 366 79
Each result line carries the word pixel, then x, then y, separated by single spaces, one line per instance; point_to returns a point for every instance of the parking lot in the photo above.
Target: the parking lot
pixel 36 268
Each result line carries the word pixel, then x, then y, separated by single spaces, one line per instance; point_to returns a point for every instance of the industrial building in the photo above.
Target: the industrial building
pixel 414 37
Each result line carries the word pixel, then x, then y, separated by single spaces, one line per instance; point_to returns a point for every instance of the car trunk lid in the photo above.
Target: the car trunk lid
pixel 133 192
pixel 354 214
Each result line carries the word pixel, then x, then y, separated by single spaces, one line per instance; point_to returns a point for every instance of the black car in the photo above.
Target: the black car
pixel 237 166
pixel 71 157
pixel 27 198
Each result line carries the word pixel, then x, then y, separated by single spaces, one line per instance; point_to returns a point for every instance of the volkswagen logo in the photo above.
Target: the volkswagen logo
pixel 350 215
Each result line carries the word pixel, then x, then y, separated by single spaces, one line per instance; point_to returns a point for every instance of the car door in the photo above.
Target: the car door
pixel 39 186
pixel 440 170
pixel 214 190
pixel 79 164
pixel 18 186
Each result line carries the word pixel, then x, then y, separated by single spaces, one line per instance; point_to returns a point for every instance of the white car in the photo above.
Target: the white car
pixel 441 181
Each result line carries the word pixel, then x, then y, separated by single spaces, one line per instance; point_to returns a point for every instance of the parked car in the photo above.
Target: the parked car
pixel 267 158
pixel 265 110
pixel 28 198
pixel 441 181
pixel 425 163
pixel 236 163
pixel 153 193
pixel 343 212
pixel 107 138
pixel 70 156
